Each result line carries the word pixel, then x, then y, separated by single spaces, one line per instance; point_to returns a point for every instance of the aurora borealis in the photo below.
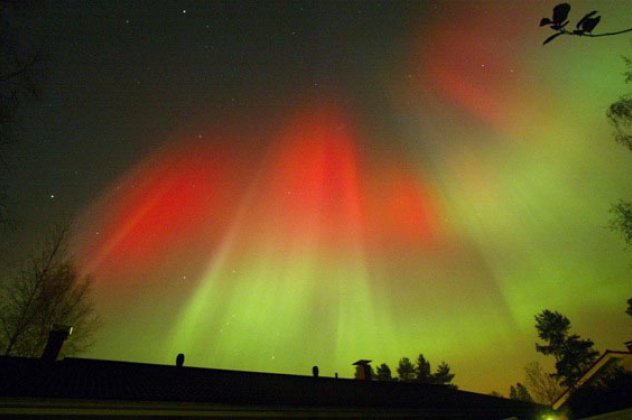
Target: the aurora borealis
pixel 271 186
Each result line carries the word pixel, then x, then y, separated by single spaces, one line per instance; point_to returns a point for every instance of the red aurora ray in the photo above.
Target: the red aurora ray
pixel 313 188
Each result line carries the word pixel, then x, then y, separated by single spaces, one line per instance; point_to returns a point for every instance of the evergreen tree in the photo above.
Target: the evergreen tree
pixel 443 376
pixel 384 373
pixel 573 355
pixel 406 370
pixel 422 370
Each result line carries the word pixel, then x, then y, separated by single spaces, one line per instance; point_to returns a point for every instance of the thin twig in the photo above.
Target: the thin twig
pixel 597 35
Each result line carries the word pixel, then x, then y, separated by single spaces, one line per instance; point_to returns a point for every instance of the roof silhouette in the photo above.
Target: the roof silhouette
pixel 28 380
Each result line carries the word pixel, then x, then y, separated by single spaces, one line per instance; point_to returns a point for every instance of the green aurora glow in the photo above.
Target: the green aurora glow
pixel 507 142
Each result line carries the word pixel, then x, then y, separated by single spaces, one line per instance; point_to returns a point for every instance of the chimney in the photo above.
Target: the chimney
pixel 363 370
pixel 628 344
pixel 56 339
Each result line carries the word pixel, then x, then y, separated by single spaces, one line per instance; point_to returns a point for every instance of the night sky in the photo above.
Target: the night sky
pixel 275 185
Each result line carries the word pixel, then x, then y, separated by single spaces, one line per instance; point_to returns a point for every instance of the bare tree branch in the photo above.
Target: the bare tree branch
pixel 48 291
pixel 541 385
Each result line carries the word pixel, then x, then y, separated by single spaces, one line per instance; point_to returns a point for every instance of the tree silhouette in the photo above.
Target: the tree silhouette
pixel 620 116
pixel 46 292
pixel 423 370
pixel 620 112
pixel 542 386
pixel 406 370
pixel 384 373
pixel 584 27
pixel 519 392
pixel 622 220
pixel 443 376
pixel 573 355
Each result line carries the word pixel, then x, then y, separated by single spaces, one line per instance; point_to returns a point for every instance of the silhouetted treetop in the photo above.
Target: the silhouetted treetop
pixel 572 353
pixel 406 370
pixel 384 373
pixel 519 392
